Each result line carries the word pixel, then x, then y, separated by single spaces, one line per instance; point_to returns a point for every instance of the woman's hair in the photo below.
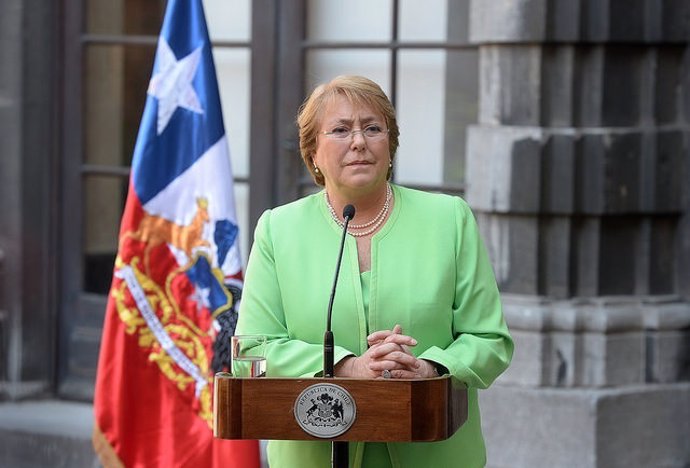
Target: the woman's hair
pixel 359 91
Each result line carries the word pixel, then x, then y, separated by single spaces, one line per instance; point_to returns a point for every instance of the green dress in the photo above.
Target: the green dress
pixel 429 273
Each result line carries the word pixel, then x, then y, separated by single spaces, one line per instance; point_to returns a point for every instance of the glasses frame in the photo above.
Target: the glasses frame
pixel 351 134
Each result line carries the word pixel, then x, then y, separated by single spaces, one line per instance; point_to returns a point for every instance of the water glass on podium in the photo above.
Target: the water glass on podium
pixel 248 356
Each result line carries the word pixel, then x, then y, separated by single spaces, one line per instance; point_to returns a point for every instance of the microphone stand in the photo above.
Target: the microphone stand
pixel 339 449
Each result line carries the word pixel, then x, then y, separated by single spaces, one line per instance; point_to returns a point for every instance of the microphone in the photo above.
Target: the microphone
pixel 348 214
pixel 339 450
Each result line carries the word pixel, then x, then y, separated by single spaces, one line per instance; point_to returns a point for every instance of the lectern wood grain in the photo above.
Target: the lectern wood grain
pixel 387 410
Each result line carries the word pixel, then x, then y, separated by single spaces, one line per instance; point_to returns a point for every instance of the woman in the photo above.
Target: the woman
pixel 416 295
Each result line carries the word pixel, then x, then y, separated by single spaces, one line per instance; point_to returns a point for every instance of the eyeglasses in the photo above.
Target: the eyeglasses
pixel 370 132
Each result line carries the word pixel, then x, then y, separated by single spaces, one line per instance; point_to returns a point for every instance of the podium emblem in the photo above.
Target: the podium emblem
pixel 325 410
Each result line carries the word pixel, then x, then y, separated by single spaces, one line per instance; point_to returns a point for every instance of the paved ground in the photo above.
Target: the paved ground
pixel 50 433
pixel 46 433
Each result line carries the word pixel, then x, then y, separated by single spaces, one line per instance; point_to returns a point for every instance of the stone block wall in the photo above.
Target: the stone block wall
pixel 598 342
pixel 632 427
pixel 597 134
pixel 579 174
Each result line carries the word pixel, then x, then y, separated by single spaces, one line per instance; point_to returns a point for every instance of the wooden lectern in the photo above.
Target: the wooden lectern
pixel 423 410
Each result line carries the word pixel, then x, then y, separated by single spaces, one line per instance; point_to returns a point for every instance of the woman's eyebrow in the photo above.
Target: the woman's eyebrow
pixel 349 121
pixel 369 118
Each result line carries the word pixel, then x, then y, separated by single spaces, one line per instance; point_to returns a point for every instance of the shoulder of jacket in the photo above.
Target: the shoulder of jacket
pixel 432 200
pixel 294 211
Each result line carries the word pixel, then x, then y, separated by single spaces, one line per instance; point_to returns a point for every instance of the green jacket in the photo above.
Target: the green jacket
pixel 429 273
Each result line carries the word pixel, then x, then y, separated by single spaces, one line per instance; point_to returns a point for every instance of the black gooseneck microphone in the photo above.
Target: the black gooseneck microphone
pixel 339 450
pixel 348 214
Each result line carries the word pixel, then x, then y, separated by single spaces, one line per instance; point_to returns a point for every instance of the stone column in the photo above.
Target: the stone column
pixel 29 79
pixel 578 174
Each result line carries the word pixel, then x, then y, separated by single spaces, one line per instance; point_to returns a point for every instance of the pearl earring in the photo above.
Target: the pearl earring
pixel 316 169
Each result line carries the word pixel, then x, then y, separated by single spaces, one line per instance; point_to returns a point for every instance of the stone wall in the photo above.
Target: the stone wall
pixel 29 170
pixel 578 174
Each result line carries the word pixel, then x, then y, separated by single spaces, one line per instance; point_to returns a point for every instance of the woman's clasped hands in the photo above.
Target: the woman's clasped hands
pixel 388 356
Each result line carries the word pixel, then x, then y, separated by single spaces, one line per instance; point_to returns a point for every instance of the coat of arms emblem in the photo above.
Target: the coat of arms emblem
pixel 325 410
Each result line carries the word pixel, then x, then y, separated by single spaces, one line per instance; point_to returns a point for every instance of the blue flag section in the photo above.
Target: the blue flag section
pixel 178 273
pixel 184 79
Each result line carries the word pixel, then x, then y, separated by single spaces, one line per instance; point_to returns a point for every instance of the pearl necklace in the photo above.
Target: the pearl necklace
pixel 375 223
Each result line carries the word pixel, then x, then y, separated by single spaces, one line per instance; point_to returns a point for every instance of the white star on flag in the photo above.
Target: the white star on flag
pixel 172 85
pixel 201 297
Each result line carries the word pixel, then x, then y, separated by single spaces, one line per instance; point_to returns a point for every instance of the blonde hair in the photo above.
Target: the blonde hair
pixel 359 91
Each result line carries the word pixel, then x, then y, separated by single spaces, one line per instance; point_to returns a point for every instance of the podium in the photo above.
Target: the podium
pixel 420 410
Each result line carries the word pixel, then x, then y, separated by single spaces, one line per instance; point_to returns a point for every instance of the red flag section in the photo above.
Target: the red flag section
pixel 177 275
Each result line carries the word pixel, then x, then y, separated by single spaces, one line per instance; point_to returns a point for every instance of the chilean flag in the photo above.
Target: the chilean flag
pixel 178 274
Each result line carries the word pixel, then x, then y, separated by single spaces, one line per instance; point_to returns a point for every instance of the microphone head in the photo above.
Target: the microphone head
pixel 348 212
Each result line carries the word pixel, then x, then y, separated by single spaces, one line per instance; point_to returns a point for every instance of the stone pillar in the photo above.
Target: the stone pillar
pixel 578 174
pixel 29 80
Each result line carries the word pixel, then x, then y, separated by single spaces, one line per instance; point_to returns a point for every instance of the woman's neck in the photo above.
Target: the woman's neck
pixel 367 206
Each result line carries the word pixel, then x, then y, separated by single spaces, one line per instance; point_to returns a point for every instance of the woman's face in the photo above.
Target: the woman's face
pixel 356 165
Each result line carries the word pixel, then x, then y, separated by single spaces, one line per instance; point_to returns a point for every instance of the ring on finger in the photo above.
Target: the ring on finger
pixel 386 374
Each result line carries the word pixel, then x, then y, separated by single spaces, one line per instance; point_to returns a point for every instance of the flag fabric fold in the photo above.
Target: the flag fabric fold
pixel 178 273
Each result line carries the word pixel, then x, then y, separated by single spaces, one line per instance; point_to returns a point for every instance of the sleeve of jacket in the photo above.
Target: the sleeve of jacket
pixel 262 312
pixel 482 346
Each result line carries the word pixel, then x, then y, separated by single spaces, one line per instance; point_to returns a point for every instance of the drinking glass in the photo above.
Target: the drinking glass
pixel 248 356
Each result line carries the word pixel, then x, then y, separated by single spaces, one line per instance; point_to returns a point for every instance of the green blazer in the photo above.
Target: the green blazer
pixel 429 273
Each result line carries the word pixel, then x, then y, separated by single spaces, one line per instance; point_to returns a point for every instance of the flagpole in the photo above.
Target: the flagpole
pixel 339 454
